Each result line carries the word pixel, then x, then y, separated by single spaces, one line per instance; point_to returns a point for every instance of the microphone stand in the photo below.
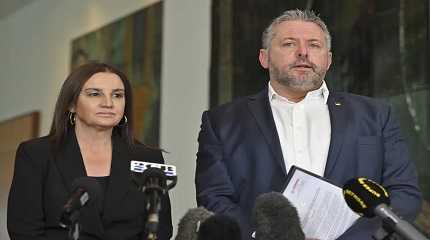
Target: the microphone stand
pixel 70 221
pixel 74 231
pixel 153 182
pixel 155 190
pixel 396 227
pixel 385 233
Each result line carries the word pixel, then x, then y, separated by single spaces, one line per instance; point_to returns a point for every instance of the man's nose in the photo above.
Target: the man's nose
pixel 302 51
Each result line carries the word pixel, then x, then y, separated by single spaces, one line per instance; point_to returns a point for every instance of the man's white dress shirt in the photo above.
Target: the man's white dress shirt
pixel 303 129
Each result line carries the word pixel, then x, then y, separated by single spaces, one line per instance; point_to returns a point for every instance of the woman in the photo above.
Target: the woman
pixel 91 135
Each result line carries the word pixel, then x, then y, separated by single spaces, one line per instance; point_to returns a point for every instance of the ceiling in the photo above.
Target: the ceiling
pixel 8 7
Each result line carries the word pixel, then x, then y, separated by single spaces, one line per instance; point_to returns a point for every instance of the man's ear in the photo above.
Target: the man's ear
pixel 264 58
pixel 329 60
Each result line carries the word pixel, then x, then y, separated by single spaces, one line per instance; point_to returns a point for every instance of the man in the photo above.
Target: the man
pixel 246 147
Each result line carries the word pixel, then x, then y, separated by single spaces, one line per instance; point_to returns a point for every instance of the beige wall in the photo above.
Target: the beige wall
pixel 35 49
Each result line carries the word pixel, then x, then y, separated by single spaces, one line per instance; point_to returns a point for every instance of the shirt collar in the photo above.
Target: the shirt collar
pixel 320 93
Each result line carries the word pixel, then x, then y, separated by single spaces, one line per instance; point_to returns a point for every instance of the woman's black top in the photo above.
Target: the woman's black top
pixel 43 182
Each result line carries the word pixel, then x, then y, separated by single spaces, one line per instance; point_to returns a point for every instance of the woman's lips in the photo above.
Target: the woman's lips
pixel 105 114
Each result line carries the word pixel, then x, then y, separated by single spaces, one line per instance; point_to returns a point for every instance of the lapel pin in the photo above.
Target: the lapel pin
pixel 338 103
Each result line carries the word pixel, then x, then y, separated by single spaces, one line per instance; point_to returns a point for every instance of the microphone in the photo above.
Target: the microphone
pixel 219 227
pixel 151 179
pixel 275 218
pixel 189 225
pixel 140 167
pixel 85 191
pixel 368 199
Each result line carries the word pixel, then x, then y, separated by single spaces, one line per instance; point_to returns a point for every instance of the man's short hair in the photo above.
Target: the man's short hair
pixel 295 15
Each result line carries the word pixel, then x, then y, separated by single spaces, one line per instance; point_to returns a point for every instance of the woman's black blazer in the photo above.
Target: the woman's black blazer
pixel 42 184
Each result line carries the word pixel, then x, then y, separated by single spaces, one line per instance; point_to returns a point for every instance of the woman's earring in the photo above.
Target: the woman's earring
pixel 123 123
pixel 72 118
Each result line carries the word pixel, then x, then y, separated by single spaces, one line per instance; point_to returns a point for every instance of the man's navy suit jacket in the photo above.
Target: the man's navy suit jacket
pixel 240 157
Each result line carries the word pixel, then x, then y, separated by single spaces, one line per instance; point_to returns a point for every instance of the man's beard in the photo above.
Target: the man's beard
pixel 309 81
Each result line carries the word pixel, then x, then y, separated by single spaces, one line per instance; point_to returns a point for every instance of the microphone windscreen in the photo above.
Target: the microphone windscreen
pixel 89 185
pixel 151 177
pixel 189 224
pixel 219 227
pixel 363 195
pixel 153 172
pixel 276 218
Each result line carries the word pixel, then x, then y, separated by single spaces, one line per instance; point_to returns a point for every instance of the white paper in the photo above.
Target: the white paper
pixel 322 209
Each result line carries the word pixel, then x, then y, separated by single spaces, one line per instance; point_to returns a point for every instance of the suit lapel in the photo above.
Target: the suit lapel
pixel 119 181
pixel 71 166
pixel 262 112
pixel 69 161
pixel 339 122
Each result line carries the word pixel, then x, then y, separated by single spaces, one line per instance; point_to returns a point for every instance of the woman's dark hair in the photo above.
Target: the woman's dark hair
pixel 69 94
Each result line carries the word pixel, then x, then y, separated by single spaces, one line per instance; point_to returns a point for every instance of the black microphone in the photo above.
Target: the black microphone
pixel 368 199
pixel 154 179
pixel 275 218
pixel 153 184
pixel 219 227
pixel 85 191
pixel 151 179
pixel 189 225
